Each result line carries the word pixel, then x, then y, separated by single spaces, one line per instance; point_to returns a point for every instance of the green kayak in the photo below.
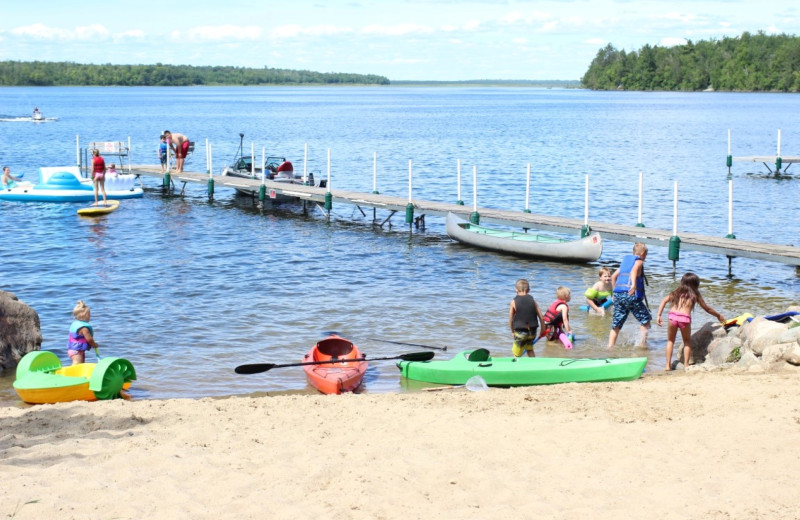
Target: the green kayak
pixel 510 371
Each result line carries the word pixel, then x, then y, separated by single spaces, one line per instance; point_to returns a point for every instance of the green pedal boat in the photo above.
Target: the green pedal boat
pixel 522 371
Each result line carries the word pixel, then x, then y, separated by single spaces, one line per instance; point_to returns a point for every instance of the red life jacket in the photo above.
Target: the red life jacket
pixel 553 317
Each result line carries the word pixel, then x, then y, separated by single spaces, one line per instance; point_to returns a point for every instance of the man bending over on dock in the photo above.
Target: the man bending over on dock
pixel 179 144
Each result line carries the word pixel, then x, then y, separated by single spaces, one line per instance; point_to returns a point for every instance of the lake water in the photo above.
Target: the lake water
pixel 188 289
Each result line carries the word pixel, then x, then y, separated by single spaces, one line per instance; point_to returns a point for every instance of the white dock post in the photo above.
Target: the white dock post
pixel 210 160
pixel 459 201
pixel 410 205
pixel 305 162
pixel 262 190
pixel 674 241
pixel 729 159
pixel 528 189
pixel 475 218
pixel 585 229
pixel 639 221
pixel 730 210
pixel 375 173
pixel 328 194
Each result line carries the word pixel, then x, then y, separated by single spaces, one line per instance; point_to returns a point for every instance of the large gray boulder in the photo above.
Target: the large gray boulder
pixel 20 330
pixel 761 333
pixel 720 350
pixel 701 340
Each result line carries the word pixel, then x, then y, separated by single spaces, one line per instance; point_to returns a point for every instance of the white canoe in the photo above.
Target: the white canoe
pixel 586 249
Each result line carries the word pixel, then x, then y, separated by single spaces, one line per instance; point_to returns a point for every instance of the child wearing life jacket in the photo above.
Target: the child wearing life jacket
pixel 556 319
pixel 629 295
pixel 80 334
pixel 598 296
pixel 524 317
pixel 682 301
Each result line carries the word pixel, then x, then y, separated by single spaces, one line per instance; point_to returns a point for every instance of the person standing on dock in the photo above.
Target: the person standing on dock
pixel 180 146
pixel 162 153
pixel 629 296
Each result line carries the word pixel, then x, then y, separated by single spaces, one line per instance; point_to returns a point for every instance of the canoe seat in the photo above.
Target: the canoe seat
pixel 478 355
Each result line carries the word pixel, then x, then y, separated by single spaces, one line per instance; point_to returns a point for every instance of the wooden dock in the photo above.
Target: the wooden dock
pixel 728 247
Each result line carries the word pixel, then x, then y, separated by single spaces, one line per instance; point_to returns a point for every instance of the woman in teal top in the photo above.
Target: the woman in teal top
pixel 8 180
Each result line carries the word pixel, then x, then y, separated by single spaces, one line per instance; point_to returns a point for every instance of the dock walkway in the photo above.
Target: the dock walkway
pixel 786 254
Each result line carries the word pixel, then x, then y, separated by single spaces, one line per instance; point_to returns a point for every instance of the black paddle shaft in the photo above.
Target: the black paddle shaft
pixel 257 368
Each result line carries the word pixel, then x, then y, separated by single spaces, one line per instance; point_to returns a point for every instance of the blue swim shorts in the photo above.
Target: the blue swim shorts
pixel 624 303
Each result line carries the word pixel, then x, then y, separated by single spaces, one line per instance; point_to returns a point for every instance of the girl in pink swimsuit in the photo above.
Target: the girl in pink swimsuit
pixel 682 301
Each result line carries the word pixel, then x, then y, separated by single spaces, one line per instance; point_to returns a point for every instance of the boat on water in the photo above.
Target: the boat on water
pixel 41 379
pixel 65 184
pixel 533 245
pixel 522 371
pixel 37 114
pixel 335 377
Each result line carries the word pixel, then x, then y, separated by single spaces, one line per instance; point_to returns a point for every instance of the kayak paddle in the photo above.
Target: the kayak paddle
pixel 409 344
pixel 257 368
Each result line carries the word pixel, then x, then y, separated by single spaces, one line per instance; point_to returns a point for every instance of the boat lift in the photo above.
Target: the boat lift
pixel 777 160
pixel 108 150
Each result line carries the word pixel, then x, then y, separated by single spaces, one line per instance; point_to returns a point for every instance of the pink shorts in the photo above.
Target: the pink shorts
pixel 679 319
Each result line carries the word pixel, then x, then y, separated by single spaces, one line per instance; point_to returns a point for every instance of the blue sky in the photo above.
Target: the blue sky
pixel 399 39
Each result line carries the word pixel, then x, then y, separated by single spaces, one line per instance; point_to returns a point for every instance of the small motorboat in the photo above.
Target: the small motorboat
pixel 277 169
pixel 522 371
pixel 65 184
pixel 343 374
pixel 41 379
pixel 534 245
pixel 37 115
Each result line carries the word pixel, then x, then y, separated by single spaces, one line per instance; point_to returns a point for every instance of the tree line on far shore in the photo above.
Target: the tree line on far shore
pixel 51 74
pixel 750 62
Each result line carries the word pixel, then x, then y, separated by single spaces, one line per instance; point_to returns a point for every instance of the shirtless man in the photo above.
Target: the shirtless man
pixel 179 144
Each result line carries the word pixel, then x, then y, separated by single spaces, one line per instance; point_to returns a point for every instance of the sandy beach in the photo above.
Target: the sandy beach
pixel 720 445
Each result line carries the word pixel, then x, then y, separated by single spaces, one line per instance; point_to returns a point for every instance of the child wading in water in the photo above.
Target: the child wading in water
pixel 80 334
pixel 557 319
pixel 682 301
pixel 524 317
pixel 598 296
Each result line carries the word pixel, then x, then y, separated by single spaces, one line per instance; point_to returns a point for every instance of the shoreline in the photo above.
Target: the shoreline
pixel 697 445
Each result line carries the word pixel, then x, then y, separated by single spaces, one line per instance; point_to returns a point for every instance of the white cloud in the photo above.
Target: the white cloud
pixel 595 41
pixel 40 31
pixel 471 25
pixel 135 34
pixel 217 33
pixel 294 30
pixel 396 30
pixel 672 41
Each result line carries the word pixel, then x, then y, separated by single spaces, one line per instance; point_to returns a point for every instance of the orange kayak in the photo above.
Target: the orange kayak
pixel 344 374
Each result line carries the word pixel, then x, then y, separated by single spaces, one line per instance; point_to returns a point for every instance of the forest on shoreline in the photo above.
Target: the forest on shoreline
pixel 52 74
pixel 750 62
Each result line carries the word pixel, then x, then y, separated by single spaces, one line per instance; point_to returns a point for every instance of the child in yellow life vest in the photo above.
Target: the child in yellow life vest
pixel 598 296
